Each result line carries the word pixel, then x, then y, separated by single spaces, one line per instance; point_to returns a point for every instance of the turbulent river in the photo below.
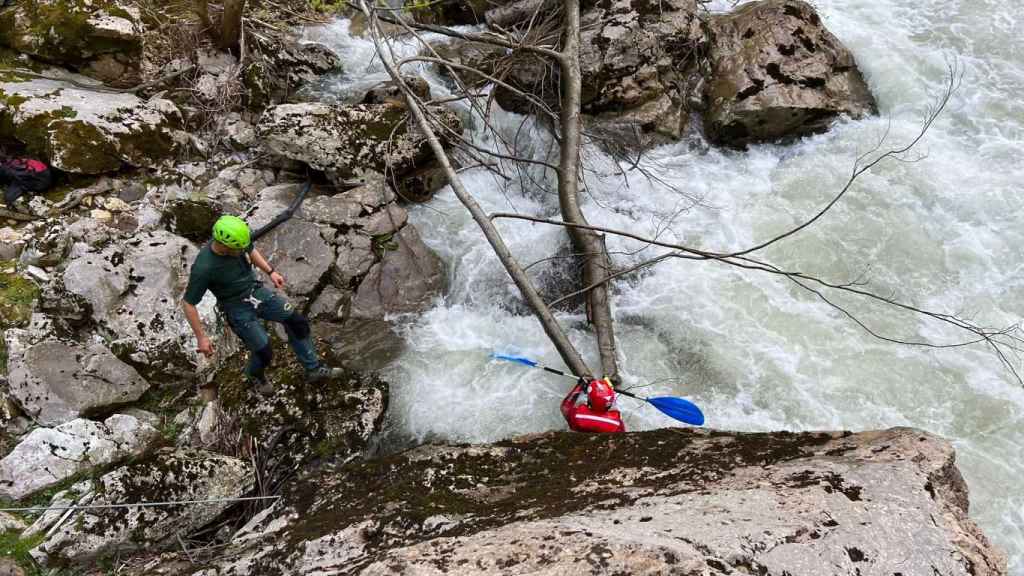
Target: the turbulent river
pixel 757 352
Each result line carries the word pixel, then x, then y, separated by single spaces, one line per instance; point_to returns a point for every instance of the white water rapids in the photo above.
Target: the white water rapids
pixel 756 352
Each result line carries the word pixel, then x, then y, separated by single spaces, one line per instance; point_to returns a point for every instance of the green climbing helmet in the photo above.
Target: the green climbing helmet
pixel 232 232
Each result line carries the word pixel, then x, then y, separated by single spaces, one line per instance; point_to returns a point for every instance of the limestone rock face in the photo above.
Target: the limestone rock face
pixel 134 290
pixel 408 276
pixel 352 254
pixel 668 501
pixel 776 72
pixel 46 456
pixel 183 474
pixel 100 38
pixel 83 131
pixel 55 381
pixel 346 141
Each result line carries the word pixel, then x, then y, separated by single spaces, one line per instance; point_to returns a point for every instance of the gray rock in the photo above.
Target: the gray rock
pixel 638 60
pixel 290 64
pixel 203 426
pixel 389 92
pixel 346 141
pixel 85 132
pixel 384 222
pixel 8 567
pixel 296 247
pixel 61 499
pixel 240 132
pixel 355 257
pixel 170 475
pixel 12 243
pixel 668 501
pixel 635 58
pixel 364 345
pixel 9 523
pixel 55 381
pixel 777 72
pixel 102 38
pixel 408 277
pixel 48 456
pixel 134 290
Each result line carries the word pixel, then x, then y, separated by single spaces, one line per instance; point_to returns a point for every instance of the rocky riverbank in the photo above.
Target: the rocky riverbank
pixel 155 132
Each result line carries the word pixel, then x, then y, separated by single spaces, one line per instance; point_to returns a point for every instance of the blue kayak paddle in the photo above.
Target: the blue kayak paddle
pixel 677 408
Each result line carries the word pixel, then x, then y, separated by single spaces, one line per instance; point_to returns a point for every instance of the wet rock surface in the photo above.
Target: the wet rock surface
pixel 662 502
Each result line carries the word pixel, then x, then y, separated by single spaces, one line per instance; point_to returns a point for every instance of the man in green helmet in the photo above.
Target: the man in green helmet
pixel 224 267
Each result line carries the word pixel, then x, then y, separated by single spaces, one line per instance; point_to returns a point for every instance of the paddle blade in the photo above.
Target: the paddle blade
pixel 682 410
pixel 519 359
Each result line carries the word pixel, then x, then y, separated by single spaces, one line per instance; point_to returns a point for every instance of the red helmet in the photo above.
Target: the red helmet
pixel 600 395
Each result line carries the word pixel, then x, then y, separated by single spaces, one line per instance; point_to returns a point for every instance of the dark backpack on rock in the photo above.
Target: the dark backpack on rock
pixel 24 175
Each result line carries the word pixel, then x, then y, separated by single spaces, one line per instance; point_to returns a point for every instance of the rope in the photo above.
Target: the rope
pixel 137 505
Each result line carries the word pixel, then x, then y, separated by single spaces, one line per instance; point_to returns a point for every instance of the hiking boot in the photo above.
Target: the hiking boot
pixel 260 385
pixel 323 373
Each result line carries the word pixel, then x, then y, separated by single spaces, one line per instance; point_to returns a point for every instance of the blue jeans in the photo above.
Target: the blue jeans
pixel 246 318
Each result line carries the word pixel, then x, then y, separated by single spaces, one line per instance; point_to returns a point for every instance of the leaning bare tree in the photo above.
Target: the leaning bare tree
pixel 588 241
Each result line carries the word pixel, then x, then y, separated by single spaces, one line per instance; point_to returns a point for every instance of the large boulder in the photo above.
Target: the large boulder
pixel 84 131
pixel 170 475
pixel 99 38
pixel 134 290
pixel 777 72
pixel 407 278
pixel 287 65
pixel 668 501
pixel 347 141
pixel 47 456
pixel 349 254
pixel 55 381
pixel 639 61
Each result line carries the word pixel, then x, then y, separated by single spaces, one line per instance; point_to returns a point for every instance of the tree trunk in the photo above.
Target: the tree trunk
pixel 596 263
pixel 202 10
pixel 231 24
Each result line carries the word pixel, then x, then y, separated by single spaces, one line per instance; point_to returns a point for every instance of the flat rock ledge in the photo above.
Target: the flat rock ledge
pixel 671 501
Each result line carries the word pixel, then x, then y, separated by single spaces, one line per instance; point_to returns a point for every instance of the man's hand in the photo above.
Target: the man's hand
pixel 277 279
pixel 205 347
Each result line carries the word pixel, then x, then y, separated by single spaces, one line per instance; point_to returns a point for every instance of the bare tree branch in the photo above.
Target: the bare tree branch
pixel 551 327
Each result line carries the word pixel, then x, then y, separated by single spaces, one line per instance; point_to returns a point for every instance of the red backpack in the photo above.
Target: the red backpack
pixel 26 165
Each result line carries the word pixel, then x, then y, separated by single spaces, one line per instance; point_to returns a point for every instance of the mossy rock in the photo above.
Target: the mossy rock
pixel 18 296
pixel 71 32
pixel 450 12
pixel 304 421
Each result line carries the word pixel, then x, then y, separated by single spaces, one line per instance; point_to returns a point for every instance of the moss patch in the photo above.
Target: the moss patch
pixel 17 299
pixel 12 546
pixel 490 486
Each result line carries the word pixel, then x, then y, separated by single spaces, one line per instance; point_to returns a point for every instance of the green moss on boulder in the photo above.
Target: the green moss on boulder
pixel 17 298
